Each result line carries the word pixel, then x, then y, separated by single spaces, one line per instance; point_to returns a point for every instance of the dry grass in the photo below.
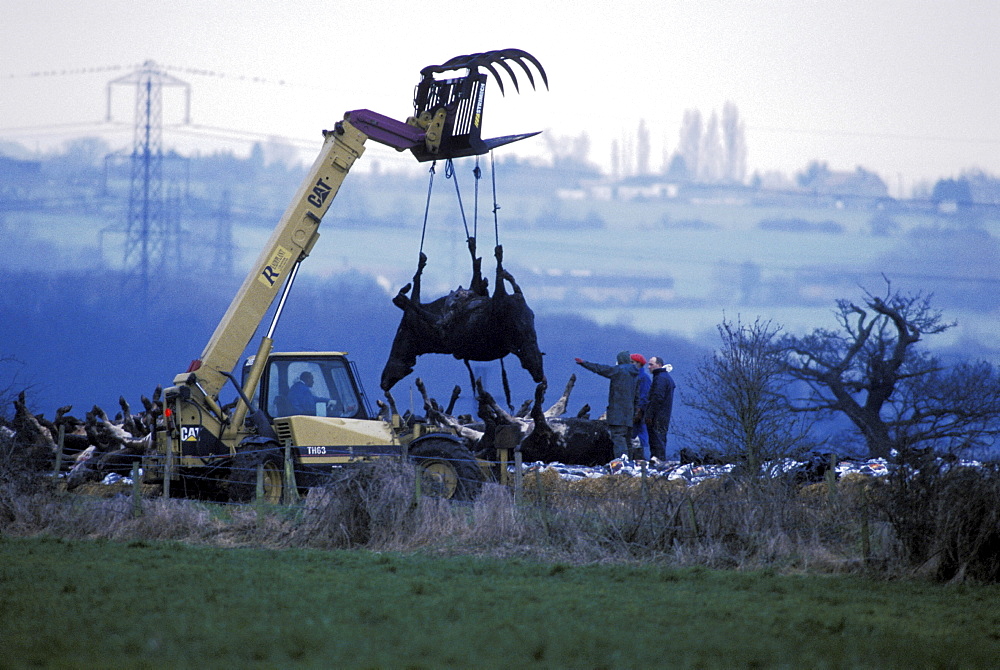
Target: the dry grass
pixel 730 523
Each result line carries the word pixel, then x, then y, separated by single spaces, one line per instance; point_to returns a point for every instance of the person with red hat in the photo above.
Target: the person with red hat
pixel 639 429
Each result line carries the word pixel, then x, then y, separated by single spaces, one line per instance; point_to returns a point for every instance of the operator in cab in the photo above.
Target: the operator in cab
pixel 300 395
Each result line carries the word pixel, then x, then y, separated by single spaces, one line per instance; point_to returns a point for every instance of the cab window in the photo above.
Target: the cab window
pixel 311 387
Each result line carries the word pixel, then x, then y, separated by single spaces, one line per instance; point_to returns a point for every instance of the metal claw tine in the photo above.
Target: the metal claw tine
pixel 496 75
pixel 526 70
pixel 486 59
pixel 541 70
pixel 503 64
pixel 518 54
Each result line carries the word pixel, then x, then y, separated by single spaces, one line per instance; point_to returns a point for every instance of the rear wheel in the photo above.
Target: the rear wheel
pixel 243 476
pixel 446 470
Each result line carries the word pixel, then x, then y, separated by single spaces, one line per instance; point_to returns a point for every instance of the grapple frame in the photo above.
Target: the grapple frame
pixel 451 109
pixel 448 112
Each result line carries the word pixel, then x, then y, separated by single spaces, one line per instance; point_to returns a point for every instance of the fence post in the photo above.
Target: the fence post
pixel 418 478
pixel 504 475
pixel 540 500
pixel 168 469
pixel 518 462
pixel 866 540
pixel 691 517
pixel 831 479
pixel 59 451
pixel 291 488
pixel 258 499
pixel 645 483
pixel 136 490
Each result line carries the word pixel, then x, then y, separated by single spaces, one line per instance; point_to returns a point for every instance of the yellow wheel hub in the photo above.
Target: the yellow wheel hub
pixel 273 483
pixel 438 478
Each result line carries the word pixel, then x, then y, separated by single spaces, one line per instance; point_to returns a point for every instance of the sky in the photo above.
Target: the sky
pixel 905 88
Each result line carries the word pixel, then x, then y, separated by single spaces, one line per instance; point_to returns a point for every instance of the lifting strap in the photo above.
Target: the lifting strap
pixel 427 207
pixel 449 173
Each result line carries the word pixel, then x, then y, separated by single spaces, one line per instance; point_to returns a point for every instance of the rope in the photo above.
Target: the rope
pixel 477 173
pixel 427 207
pixel 496 236
pixel 496 207
pixel 449 172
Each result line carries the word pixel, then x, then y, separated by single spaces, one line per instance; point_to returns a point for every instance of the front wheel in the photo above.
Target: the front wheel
pixel 243 476
pixel 446 470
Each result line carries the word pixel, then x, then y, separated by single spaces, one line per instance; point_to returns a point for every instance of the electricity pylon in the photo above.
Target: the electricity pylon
pixel 150 234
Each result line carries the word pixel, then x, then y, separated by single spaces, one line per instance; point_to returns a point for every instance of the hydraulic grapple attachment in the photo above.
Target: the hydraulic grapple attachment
pixel 472 62
pixel 448 112
pixel 451 109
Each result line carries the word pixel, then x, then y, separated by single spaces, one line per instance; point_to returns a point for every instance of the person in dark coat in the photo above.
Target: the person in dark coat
pixel 638 425
pixel 658 407
pixel 622 394
pixel 301 399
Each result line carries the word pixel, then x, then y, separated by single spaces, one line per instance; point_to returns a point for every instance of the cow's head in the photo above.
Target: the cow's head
pixel 524 341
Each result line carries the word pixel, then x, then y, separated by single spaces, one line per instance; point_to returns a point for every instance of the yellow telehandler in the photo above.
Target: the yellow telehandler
pixel 298 415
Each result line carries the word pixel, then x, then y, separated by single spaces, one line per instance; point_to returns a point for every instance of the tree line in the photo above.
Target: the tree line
pixel 757 398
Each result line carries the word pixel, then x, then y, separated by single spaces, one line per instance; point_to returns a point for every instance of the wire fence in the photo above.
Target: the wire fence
pixel 655 504
pixel 868 515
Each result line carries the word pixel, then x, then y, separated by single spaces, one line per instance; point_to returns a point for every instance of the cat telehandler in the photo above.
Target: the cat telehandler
pixel 297 416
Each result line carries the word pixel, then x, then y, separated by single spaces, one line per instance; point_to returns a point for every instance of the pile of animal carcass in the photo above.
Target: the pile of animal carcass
pixel 540 435
pixel 99 448
pixel 575 449
pixel 92 448
pixel 97 445
pixel 578 448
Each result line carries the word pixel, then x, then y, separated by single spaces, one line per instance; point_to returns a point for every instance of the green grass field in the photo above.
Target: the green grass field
pixel 143 604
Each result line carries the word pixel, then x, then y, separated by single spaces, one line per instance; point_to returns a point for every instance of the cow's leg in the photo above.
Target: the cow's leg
pixel 472 377
pixel 478 284
pixel 510 278
pixel 502 274
pixel 401 300
pixel 421 264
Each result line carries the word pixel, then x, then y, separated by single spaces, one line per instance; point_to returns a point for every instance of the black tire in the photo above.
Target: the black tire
pixel 243 475
pixel 447 470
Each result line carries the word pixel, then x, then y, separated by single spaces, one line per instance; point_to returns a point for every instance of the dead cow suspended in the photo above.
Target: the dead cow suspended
pixel 469 324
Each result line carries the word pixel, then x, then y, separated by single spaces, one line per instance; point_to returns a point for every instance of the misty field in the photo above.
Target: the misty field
pixel 156 604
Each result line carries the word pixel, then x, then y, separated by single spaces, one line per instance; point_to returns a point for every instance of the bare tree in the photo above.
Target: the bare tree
pixel 954 409
pixel 710 163
pixel 642 149
pixel 898 396
pixel 628 154
pixel 689 146
pixel 742 413
pixel 734 145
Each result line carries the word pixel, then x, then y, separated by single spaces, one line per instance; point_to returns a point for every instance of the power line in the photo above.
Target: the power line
pixel 54 126
pixel 196 71
pixel 66 72
pixel 285 83
pixel 234 134
pixel 250 79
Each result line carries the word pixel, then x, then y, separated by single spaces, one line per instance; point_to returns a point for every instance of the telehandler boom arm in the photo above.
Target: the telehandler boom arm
pixel 292 240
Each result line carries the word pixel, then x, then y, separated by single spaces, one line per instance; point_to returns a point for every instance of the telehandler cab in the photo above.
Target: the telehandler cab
pixel 269 440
